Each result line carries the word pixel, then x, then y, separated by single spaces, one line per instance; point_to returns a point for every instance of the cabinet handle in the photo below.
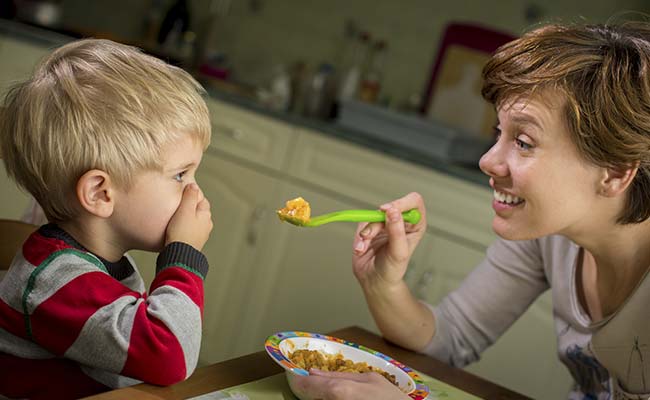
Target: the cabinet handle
pixel 253 226
pixel 230 132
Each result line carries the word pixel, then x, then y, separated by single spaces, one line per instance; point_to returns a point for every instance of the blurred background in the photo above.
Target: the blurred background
pixel 349 103
pixel 280 45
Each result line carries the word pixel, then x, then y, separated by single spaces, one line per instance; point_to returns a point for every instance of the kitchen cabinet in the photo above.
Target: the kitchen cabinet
pixel 524 358
pixel 301 278
pixel 268 276
pixel 240 175
pixel 304 277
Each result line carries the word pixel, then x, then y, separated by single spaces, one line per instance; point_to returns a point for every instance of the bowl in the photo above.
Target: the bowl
pixel 281 344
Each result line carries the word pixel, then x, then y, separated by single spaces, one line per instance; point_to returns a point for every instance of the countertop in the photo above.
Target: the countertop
pixel 470 174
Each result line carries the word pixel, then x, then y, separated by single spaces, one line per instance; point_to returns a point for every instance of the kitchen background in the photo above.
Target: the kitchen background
pixel 275 71
pixel 257 43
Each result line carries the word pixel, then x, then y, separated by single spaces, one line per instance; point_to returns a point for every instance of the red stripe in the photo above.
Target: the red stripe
pixel 12 321
pixel 45 379
pixel 58 320
pixel 185 281
pixel 155 355
pixel 38 247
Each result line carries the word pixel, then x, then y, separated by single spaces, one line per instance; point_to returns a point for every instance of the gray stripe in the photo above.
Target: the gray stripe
pixel 20 347
pixel 104 340
pixel 61 271
pixel 110 379
pixel 14 282
pixel 134 281
pixel 182 316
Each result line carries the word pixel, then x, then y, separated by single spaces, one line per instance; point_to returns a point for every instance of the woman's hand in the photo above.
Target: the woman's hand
pixel 382 250
pixel 345 385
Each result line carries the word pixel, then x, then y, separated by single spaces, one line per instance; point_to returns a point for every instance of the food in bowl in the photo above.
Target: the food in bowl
pixel 281 345
pixel 307 359
pixel 296 211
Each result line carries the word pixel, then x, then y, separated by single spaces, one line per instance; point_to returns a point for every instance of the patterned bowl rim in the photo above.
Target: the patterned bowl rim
pixel 272 346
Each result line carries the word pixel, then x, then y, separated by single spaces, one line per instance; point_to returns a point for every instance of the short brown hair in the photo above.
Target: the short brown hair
pixel 603 71
pixel 95 104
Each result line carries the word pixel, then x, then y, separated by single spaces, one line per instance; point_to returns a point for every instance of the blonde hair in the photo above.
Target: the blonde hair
pixel 603 73
pixel 95 104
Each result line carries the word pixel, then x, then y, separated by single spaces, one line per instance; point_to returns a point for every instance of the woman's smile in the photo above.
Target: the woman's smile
pixel 505 201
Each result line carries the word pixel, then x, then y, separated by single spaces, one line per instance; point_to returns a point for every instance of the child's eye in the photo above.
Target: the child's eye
pixel 179 176
pixel 522 145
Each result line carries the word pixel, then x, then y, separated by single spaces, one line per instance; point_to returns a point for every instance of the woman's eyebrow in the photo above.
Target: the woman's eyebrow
pixel 525 119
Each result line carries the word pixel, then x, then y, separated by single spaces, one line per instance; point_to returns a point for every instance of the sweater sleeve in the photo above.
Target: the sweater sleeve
pixel 488 302
pixel 75 309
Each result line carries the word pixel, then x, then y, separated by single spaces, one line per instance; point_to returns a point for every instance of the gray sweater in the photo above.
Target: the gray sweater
pixel 608 359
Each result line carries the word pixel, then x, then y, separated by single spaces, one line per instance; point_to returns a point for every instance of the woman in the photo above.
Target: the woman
pixel 571 177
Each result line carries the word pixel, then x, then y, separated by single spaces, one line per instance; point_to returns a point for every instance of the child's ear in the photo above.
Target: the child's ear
pixel 616 180
pixel 95 193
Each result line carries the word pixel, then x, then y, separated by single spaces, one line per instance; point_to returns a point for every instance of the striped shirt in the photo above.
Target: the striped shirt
pixel 73 324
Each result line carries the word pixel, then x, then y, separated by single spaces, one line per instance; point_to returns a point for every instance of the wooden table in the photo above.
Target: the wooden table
pixel 259 365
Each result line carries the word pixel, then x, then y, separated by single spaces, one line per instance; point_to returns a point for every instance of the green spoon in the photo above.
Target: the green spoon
pixel 411 216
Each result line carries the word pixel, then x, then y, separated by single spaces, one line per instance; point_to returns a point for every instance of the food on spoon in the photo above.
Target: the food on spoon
pixel 297 211
pixel 307 359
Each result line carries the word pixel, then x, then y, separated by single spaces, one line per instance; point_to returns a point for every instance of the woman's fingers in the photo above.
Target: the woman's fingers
pixel 408 202
pixel 364 235
pixel 398 249
pixel 352 376
pixel 335 385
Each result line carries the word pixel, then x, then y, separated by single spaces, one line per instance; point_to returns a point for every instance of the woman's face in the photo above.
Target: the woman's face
pixel 541 184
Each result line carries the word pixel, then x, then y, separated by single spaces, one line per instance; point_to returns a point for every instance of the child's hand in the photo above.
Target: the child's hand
pixel 192 221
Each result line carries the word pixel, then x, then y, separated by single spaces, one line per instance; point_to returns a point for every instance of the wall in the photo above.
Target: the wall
pixel 312 30
pixel 257 35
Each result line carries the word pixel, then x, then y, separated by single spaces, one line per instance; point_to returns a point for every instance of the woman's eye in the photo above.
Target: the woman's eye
pixel 179 176
pixel 522 145
pixel 496 133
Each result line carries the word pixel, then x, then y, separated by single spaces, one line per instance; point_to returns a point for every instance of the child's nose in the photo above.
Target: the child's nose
pixel 201 195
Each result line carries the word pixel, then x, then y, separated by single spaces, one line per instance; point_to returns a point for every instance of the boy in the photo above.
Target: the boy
pixel 107 140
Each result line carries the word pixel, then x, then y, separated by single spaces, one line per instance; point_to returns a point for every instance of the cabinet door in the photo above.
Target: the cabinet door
pixel 304 276
pixel 458 208
pixel 439 265
pixel 530 341
pixel 239 199
pixel 525 357
pixel 250 137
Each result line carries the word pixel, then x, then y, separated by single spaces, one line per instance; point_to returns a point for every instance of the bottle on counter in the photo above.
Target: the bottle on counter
pixel 173 28
pixel 319 95
pixel 370 85
pixel 349 83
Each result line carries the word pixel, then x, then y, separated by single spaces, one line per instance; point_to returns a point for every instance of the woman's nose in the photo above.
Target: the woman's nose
pixel 493 163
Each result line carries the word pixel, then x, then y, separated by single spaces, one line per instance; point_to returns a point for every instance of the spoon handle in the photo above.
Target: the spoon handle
pixel 411 216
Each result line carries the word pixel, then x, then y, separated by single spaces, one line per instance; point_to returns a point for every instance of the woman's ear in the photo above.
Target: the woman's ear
pixel 95 193
pixel 616 180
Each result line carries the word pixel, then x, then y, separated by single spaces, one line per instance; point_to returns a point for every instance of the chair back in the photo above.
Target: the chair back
pixel 12 236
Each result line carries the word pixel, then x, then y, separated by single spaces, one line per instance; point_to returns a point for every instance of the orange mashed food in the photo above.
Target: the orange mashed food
pixel 307 359
pixel 296 209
